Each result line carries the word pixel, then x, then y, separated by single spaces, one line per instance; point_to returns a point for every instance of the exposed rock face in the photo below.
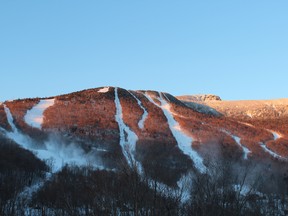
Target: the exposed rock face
pixel 89 119
pixel 204 97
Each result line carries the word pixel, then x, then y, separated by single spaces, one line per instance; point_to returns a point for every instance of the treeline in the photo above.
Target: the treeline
pixel 19 169
pixel 228 188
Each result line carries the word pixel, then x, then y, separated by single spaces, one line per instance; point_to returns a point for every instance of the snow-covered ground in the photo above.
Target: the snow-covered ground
pixel 54 149
pixel 184 142
pixel 145 113
pixel 104 90
pixel 34 117
pixel 128 142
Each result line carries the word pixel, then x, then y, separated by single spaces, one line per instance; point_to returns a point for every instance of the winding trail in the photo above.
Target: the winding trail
pixel 246 151
pixel 276 136
pixel 237 139
pixel 184 142
pixel 145 113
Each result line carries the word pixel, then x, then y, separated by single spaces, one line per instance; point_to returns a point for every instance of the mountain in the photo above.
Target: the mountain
pixel 178 133
pixel 166 137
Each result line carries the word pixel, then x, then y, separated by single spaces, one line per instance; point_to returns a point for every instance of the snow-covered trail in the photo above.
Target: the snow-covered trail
pixel 276 136
pixel 272 153
pixel 34 117
pixel 237 139
pixel 15 134
pixel 56 151
pixel 145 113
pixel 184 142
pixel 128 138
pixel 246 151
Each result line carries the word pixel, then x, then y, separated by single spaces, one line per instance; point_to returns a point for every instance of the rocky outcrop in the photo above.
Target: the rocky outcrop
pixel 201 97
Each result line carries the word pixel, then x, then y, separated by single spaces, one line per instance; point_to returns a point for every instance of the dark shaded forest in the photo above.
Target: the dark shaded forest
pixel 229 187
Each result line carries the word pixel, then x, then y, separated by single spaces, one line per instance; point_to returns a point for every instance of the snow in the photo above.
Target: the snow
pixel 237 139
pixel 273 154
pixel 34 117
pixel 127 143
pixel 244 190
pixel 185 186
pixel 15 135
pixel 104 90
pixel 145 113
pixel 61 154
pixel 36 185
pixel 246 151
pixel 276 135
pixel 184 142
pixel 55 150
pixel 167 99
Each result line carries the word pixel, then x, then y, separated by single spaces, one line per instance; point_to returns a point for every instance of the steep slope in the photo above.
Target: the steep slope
pixel 162 135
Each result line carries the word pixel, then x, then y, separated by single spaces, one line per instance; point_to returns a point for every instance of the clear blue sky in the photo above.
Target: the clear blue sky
pixel 235 49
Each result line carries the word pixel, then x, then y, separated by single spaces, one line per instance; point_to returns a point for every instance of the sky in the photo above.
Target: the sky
pixel 235 49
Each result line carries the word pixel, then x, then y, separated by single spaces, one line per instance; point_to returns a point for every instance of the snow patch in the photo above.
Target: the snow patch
pixel 145 113
pixel 184 142
pixel 276 135
pixel 128 142
pixel 104 90
pixel 34 117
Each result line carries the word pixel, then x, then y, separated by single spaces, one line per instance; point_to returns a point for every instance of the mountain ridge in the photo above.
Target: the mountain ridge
pixel 105 121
